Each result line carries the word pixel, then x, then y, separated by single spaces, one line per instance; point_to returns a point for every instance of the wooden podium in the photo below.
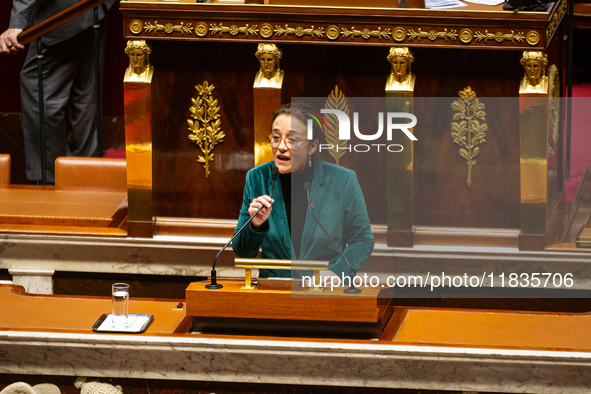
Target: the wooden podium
pixel 268 308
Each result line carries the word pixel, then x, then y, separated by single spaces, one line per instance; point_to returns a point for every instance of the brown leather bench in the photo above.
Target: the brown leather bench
pixel 90 172
pixel 4 169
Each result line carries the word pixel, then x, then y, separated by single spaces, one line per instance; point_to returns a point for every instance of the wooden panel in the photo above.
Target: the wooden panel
pixel 180 186
pixel 442 197
pixel 232 302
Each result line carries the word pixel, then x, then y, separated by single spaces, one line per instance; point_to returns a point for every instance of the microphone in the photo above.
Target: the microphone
pixel 214 285
pixel 352 289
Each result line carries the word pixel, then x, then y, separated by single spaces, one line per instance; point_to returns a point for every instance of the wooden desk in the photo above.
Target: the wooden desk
pixel 20 311
pixel 427 349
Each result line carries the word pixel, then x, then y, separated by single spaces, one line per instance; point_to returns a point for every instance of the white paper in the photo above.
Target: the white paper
pixel 433 4
pixel 135 323
pixel 485 2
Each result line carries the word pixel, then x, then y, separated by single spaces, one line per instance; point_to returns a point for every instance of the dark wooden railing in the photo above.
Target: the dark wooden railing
pixel 57 20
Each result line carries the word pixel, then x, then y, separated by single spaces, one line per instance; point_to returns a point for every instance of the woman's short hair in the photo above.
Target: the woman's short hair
pixel 303 112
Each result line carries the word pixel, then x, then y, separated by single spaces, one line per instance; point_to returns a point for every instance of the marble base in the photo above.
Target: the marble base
pixel 193 256
pixel 34 281
pixel 376 364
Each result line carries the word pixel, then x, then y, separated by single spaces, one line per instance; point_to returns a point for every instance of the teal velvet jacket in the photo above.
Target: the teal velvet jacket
pixel 339 206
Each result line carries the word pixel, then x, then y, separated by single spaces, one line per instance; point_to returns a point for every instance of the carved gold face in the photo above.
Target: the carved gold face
pixel 533 71
pixel 399 68
pixel 137 58
pixel 268 65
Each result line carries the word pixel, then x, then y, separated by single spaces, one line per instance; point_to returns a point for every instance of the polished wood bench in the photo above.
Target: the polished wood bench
pixel 45 209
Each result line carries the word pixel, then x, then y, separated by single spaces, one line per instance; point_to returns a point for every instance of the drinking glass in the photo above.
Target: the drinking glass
pixel 120 305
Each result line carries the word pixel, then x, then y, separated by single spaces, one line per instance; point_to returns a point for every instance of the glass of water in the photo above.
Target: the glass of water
pixel 120 305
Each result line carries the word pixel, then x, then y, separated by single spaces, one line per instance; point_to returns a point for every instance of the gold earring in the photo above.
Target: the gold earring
pixel 310 161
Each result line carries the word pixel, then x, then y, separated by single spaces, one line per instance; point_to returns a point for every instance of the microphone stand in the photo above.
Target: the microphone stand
pixel 352 289
pixel 214 285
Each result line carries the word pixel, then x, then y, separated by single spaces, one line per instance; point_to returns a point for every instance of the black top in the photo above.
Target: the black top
pixel 296 203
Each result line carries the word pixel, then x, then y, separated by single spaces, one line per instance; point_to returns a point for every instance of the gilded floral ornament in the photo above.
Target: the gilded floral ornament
pixel 469 133
pixel 432 35
pixel 266 30
pixel 554 109
pixel 168 28
pixel 299 31
pixel 532 38
pixel 332 32
pixel 336 100
pixel 498 36
pixel 556 20
pixel 366 33
pixel 466 36
pixel 399 34
pixel 205 124
pixel 201 29
pixel 136 26
pixel 234 30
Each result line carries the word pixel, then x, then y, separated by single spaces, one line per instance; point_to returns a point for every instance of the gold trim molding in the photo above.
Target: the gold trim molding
pixel 554 109
pixel 168 28
pixel 469 132
pixel 205 124
pixel 334 32
pixel 499 36
pixel 556 19
pixel 336 100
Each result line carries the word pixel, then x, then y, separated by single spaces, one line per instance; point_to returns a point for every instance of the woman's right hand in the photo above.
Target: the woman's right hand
pixel 263 215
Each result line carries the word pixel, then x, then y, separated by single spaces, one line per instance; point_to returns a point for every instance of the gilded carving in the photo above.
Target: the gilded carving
pixel 466 36
pixel 136 26
pixel 432 35
pixel 554 109
pixel 139 69
pixel 498 36
pixel 555 19
pixel 399 34
pixel 534 66
pixel 205 125
pixel 234 30
pixel 270 74
pixel 469 133
pixel 401 77
pixel 266 30
pixel 336 100
pixel 201 29
pixel 299 31
pixel 332 32
pixel 366 33
pixel 169 28
pixel 532 38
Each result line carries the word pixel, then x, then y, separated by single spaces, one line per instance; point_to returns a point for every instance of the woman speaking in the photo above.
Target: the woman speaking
pixel 284 229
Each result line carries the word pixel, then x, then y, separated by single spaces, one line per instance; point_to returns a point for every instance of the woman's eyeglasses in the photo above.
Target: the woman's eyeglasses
pixel 291 143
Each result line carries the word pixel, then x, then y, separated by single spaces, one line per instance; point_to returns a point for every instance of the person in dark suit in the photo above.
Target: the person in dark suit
pixel 68 82
pixel 284 229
